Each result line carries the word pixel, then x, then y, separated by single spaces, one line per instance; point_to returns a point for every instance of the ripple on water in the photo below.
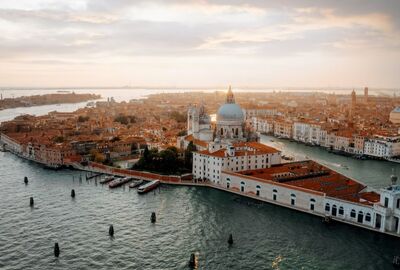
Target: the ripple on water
pixel 189 220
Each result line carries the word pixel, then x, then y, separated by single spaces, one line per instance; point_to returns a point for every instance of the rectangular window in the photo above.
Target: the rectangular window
pixel 274 197
pixel 312 207
pixel 386 201
pixel 292 201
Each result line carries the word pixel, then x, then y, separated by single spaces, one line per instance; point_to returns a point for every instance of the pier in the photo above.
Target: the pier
pixel 93 175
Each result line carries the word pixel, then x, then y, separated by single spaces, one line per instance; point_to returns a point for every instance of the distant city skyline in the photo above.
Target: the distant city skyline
pixel 183 44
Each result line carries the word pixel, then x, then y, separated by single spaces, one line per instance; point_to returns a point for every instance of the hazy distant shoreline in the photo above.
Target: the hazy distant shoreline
pixel 45 99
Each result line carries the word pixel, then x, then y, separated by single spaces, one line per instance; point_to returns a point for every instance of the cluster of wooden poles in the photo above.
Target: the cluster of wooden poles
pixel 153 219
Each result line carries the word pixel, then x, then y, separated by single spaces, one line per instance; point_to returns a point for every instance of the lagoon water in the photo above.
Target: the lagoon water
pixel 189 219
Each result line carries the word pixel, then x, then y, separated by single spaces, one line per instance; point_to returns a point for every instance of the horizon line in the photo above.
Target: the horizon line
pixel 340 88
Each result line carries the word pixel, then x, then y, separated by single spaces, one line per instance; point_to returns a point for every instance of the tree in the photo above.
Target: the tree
pixel 58 139
pixel 146 154
pixel 166 161
pixel 125 119
pixel 188 155
pixel 82 118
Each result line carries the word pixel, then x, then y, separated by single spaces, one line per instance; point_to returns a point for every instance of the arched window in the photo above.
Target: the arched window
pixel 312 204
pixel 228 183
pixel 334 210
pixel 292 199
pixel 368 217
pixel 222 131
pixel 341 211
pixel 242 186
pixel 274 196
pixel 360 218
pixel 327 207
pixel 258 189
pixel 353 213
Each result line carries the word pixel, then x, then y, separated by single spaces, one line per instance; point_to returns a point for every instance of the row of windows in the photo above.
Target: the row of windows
pixel 353 213
pixel 274 195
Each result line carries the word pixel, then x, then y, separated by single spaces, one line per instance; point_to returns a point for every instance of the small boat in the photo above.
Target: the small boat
pixel 119 182
pixel 148 187
pixel 107 179
pixel 135 183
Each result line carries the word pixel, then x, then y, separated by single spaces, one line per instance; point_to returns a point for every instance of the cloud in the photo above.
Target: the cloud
pixel 306 21
pixel 124 32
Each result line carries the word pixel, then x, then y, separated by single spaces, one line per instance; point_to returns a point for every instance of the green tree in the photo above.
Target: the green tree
pixel 82 118
pixel 188 155
pixel 58 139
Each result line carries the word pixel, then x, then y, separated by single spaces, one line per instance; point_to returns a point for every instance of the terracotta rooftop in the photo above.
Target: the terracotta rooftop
pixel 243 149
pixel 201 143
pixel 312 176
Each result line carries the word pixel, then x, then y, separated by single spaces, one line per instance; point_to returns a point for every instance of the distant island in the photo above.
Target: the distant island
pixel 47 99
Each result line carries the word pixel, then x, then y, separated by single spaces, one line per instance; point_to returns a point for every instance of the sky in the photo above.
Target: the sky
pixel 190 43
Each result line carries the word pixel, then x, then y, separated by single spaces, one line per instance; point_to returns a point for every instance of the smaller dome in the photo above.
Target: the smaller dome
pixel 230 112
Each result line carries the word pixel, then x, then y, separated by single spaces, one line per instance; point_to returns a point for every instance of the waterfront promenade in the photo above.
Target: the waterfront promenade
pixel 187 180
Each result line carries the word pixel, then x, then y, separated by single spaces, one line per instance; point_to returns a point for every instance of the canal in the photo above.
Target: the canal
pixel 374 173
pixel 189 219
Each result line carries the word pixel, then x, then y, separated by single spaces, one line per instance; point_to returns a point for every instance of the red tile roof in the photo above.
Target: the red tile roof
pixel 243 149
pixel 312 176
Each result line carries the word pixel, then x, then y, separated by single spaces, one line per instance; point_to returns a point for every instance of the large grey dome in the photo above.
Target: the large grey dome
pixel 230 112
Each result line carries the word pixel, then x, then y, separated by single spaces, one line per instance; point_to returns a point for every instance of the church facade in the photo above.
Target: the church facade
pixel 229 128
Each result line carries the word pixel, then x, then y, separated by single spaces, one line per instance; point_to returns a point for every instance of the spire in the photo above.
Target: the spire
pixel 229 96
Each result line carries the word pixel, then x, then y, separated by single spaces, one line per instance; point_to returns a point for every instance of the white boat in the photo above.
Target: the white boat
pixel 148 187
pixel 135 183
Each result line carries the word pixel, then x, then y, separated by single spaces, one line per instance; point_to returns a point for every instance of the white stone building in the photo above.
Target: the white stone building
pixel 263 125
pixel 230 127
pixel 208 164
pixel 199 124
pixel 382 147
pixel 230 121
pixel 315 189
pixel 301 131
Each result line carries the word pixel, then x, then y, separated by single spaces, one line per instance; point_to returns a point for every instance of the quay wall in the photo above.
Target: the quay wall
pixel 302 200
pixel 97 167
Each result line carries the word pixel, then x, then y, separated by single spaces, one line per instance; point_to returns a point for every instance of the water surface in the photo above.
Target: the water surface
pixel 189 219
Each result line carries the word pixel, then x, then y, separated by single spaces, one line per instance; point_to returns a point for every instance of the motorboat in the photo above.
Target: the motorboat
pixel 136 183
pixel 149 186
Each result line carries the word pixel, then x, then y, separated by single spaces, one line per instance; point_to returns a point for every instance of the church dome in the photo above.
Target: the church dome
pixel 230 112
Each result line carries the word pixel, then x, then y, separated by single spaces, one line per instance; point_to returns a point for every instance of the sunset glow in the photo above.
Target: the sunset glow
pixel 59 43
